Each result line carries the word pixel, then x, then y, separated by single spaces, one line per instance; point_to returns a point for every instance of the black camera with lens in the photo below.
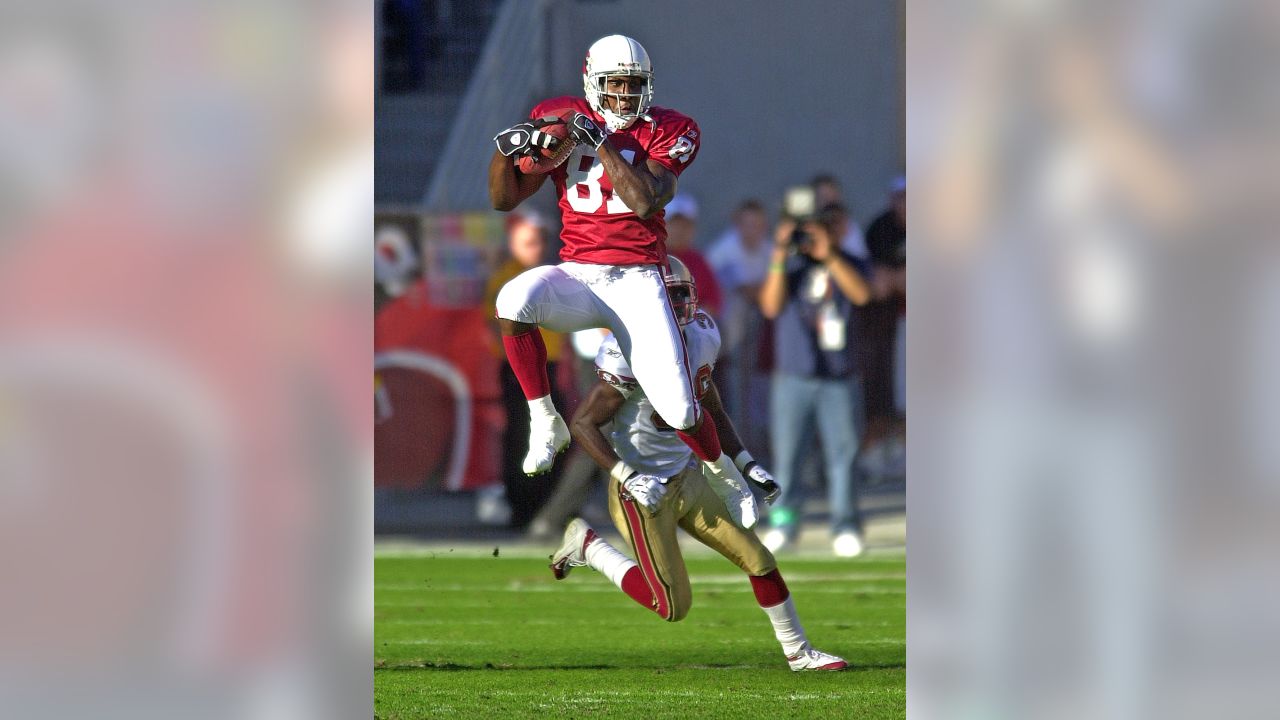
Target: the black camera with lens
pixel 799 206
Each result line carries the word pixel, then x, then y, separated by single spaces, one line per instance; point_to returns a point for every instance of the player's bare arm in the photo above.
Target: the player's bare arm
pixel 729 440
pixel 508 187
pixel 600 405
pixel 596 409
pixel 645 189
pixel 733 447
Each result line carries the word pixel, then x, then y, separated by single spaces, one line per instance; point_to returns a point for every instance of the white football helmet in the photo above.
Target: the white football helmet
pixel 681 290
pixel 612 56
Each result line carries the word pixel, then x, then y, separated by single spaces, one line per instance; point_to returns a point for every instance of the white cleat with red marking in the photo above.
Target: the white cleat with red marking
pixel 573 552
pixel 811 659
pixel 548 437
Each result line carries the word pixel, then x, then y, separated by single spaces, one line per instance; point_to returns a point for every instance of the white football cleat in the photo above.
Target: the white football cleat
pixel 847 544
pixel 547 438
pixel 811 659
pixel 573 551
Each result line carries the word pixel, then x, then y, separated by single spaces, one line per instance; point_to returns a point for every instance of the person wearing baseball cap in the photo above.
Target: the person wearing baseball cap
pixel 682 227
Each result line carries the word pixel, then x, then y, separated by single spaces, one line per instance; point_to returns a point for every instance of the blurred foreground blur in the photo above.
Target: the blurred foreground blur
pixel 185 339
pixel 185 437
pixel 1093 386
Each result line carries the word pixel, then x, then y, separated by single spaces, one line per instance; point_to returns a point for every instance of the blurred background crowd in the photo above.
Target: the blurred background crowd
pixel 452 423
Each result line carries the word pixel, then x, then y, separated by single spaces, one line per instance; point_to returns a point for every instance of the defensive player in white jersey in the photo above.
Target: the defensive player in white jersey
pixel 656 485
pixel 611 191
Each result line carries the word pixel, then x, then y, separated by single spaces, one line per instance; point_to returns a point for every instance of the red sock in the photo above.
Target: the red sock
pixel 634 585
pixel 528 357
pixel 770 589
pixel 704 442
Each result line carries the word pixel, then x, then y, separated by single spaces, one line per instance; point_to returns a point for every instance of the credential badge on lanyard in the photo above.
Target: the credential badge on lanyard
pixel 831 327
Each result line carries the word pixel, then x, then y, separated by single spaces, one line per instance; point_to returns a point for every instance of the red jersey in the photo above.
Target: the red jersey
pixel 598 227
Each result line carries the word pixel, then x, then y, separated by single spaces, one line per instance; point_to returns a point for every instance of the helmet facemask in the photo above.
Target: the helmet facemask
pixel 595 86
pixel 681 290
pixel 684 301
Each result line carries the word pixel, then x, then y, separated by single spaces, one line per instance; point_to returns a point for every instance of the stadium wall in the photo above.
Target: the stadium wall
pixel 781 90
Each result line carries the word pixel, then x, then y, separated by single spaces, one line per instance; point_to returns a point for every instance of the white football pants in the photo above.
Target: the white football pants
pixel 630 300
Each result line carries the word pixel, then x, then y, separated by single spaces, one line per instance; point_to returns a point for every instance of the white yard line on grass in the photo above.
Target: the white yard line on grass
pixel 524 550
pixel 605 587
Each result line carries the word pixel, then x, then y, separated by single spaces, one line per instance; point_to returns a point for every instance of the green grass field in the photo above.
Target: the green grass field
pixel 464 634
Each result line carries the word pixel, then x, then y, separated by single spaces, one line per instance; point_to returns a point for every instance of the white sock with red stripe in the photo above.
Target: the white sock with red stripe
pixel 606 559
pixel 787 627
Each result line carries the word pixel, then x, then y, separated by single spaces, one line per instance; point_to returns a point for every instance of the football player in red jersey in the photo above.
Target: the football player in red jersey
pixel 611 189
pixel 654 487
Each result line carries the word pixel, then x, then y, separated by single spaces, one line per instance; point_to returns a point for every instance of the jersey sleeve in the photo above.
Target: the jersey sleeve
pixel 613 369
pixel 706 336
pixel 675 143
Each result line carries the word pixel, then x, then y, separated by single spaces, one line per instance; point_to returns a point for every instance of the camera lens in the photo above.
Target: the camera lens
pixel 799 239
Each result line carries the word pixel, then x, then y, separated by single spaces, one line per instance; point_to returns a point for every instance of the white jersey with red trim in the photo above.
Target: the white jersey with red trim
pixel 598 227
pixel 638 435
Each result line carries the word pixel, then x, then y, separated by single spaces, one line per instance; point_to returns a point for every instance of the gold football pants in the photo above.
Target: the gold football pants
pixel 690 504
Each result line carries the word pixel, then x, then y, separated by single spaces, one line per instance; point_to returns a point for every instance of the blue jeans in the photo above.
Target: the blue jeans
pixel 801 405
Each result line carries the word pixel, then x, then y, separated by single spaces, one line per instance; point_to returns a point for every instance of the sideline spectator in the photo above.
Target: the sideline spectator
pixel 881 326
pixel 527 244
pixel 739 258
pixel 827 190
pixel 682 227
pixel 810 290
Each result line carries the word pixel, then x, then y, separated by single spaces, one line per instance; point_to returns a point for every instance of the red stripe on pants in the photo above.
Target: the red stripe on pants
pixel 645 561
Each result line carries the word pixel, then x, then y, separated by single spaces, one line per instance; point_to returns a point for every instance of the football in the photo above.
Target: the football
pixel 547 160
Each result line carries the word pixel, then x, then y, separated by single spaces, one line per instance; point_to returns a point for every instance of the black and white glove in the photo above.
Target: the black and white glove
pixel 758 476
pixel 525 138
pixel 763 481
pixel 648 490
pixel 586 131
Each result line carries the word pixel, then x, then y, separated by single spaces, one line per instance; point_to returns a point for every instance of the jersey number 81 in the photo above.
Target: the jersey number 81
pixel 590 179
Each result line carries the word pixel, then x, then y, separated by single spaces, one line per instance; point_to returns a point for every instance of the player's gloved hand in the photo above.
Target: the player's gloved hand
pixel 585 130
pixel 524 138
pixel 763 481
pixel 648 490
pixel 758 476
pixel 727 482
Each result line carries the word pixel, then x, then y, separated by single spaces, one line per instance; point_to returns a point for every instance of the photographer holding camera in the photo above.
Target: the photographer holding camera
pixel 810 292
